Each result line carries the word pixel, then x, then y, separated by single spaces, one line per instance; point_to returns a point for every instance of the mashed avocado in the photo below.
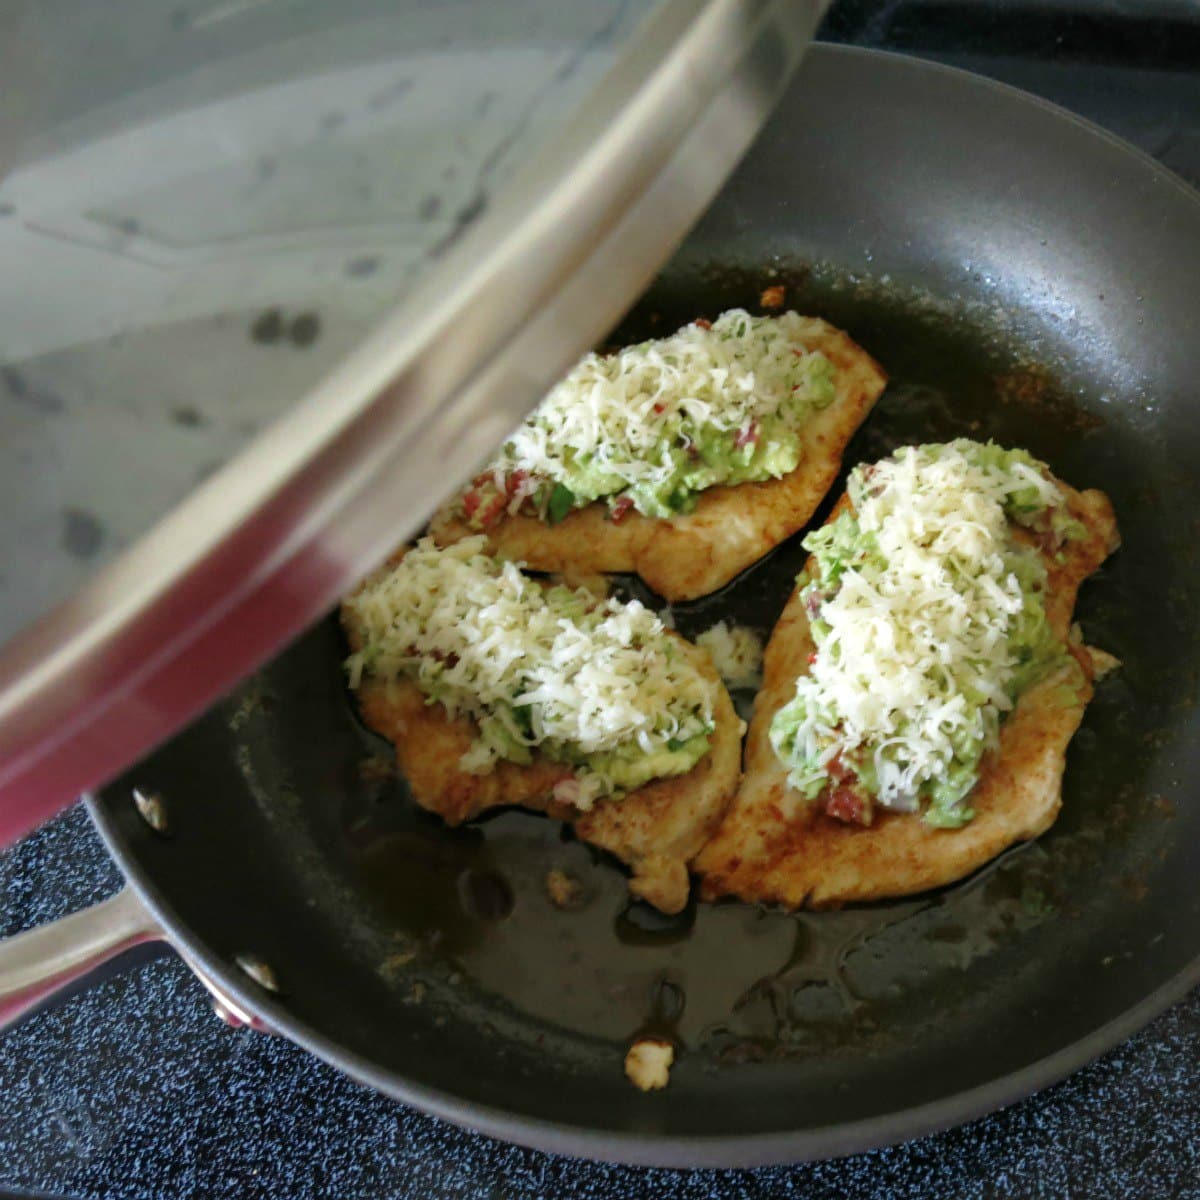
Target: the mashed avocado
pixel 654 425
pixel 512 726
pixel 929 621
pixel 690 456
pixel 549 670
pixel 630 766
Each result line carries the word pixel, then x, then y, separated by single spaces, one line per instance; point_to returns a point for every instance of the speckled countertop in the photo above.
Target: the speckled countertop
pixel 134 1089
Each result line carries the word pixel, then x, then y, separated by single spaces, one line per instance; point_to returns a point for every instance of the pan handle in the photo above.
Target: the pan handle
pixel 57 958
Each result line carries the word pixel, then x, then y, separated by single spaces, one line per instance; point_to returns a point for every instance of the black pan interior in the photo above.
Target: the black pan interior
pixel 1022 277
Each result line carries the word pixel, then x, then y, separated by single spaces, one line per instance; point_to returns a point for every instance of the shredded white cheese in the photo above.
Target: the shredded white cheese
pixel 624 414
pixel 737 653
pixel 648 1064
pixel 919 649
pixel 535 667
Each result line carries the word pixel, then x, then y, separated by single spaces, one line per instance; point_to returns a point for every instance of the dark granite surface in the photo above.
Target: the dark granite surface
pixel 134 1089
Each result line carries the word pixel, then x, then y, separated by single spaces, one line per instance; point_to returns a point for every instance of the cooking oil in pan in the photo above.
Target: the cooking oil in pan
pixel 513 908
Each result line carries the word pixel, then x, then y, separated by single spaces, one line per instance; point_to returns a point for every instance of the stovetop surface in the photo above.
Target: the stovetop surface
pixel 134 1090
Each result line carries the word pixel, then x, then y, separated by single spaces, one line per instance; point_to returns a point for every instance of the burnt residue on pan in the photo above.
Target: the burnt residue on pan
pixel 465 918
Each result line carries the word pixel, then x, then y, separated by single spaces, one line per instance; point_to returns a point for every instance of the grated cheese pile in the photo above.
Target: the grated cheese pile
pixel 658 422
pixel 737 653
pixel 928 619
pixel 593 682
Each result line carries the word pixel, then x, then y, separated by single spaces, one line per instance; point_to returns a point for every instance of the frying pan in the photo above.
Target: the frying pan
pixel 1023 276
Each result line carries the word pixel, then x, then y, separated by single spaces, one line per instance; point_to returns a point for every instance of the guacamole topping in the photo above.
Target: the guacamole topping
pixel 928 614
pixel 597 684
pixel 653 425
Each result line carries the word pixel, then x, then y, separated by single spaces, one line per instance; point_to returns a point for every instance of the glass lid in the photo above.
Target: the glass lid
pixel 279 275
pixel 211 207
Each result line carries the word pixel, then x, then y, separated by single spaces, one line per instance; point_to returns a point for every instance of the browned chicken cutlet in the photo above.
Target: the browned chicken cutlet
pixel 730 529
pixel 775 848
pixel 655 829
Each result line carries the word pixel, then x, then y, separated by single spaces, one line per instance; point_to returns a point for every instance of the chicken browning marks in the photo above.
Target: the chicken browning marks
pixel 774 848
pixel 656 829
pixel 730 528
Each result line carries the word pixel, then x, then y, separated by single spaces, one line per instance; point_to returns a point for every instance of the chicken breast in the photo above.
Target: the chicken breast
pixel 775 848
pixel 730 528
pixel 656 829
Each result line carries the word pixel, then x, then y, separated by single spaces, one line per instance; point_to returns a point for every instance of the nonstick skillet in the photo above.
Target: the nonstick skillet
pixel 1023 276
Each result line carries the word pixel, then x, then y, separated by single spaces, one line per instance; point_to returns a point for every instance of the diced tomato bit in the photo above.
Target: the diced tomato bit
pixel 748 436
pixel 847 804
pixel 470 503
pixel 844 797
pixel 513 483
pixel 490 514
pixel 836 769
pixel 703 323
pixel 660 408
pixel 812 658
pixel 620 510
pixel 773 297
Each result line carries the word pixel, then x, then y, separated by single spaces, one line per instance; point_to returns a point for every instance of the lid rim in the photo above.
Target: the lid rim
pixel 269 542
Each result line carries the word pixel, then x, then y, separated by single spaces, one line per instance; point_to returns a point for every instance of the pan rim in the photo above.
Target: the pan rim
pixel 720 1150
